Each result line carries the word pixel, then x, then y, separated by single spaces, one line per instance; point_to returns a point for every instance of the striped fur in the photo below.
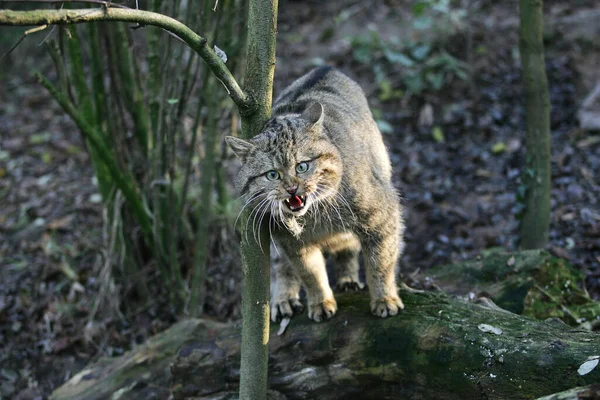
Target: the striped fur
pixel 322 122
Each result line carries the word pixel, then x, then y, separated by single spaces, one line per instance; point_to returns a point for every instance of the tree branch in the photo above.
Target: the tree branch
pixel 104 3
pixel 27 32
pixel 199 44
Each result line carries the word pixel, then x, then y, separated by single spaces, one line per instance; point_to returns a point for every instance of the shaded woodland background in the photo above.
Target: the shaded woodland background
pixel 444 84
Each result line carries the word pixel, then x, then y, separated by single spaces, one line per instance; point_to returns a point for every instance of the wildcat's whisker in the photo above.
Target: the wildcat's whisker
pixel 320 177
pixel 280 211
pixel 250 200
pixel 256 230
pixel 245 229
pixel 272 220
pixel 337 210
pixel 255 212
pixel 320 207
pixel 325 210
pixel 333 202
pixel 345 202
pixel 327 206
pixel 260 221
pixel 275 213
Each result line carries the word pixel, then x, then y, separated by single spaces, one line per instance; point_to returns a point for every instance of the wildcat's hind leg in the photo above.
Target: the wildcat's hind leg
pixel 285 289
pixel 345 249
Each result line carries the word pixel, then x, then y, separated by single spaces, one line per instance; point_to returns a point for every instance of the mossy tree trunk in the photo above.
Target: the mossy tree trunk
pixel 536 217
pixel 256 263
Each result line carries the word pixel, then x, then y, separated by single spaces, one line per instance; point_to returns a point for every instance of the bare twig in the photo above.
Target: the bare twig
pixel 106 4
pixel 27 32
pixel 591 98
pixel 51 30
pixel 137 7
pixel 47 36
pixel 244 101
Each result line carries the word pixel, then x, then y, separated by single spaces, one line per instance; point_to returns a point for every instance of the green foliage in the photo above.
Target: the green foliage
pixel 558 291
pixel 438 134
pixel 439 15
pixel 145 103
pixel 499 147
pixel 414 66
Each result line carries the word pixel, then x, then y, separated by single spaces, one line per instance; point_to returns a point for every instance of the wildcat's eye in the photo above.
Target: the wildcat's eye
pixel 272 175
pixel 302 167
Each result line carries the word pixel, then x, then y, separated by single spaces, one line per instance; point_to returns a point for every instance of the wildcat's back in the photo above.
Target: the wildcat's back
pixel 320 173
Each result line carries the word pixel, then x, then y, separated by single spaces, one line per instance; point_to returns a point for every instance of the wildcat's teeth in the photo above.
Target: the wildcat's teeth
pixel 301 199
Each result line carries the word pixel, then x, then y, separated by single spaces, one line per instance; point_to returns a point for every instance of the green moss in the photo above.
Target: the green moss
pixel 424 351
pixel 532 283
pixel 558 291
pixel 511 298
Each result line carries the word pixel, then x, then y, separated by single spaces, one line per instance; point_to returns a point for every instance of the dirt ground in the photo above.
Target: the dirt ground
pixel 459 186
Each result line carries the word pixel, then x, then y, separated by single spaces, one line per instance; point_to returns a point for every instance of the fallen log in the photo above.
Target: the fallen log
pixel 438 347
pixel 142 373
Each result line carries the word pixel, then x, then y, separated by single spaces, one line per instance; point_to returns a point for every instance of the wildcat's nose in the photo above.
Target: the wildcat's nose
pixel 291 189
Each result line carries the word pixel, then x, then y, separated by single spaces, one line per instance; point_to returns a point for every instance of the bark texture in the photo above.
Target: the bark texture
pixel 438 347
pixel 256 262
pixel 536 217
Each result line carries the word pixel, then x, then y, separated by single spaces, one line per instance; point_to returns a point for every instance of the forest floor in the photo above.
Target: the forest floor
pixel 457 151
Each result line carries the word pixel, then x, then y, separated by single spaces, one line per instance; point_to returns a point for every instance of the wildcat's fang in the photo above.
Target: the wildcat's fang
pixel 295 203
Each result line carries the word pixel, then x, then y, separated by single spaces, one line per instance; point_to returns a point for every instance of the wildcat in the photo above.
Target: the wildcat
pixel 320 175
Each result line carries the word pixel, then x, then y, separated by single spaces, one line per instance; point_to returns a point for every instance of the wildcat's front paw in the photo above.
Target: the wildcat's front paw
pixel 285 309
pixel 322 311
pixel 349 284
pixel 386 306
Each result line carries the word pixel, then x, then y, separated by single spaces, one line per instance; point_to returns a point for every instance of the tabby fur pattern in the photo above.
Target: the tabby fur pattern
pixel 320 176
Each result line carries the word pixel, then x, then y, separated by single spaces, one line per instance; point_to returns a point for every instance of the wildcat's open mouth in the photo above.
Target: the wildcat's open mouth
pixel 295 203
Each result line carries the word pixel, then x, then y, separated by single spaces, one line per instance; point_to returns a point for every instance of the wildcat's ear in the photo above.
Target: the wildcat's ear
pixel 314 114
pixel 240 147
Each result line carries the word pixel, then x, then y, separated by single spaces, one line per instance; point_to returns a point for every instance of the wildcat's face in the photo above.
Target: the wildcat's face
pixel 289 167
